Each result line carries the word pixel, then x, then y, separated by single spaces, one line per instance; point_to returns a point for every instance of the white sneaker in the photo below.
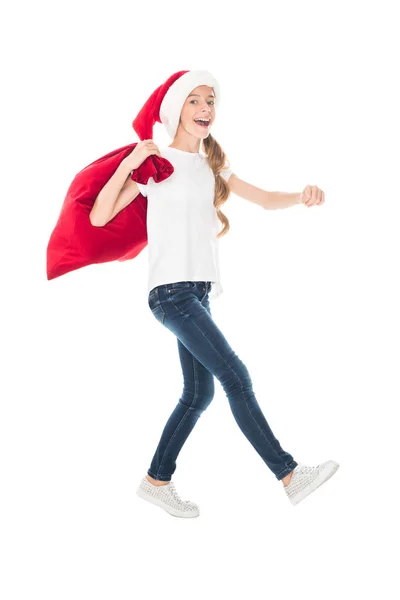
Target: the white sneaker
pixel 167 498
pixel 307 479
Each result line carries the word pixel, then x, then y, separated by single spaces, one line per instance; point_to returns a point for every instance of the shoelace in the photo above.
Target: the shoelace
pixel 305 469
pixel 175 493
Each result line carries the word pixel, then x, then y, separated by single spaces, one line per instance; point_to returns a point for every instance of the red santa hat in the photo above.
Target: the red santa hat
pixel 166 102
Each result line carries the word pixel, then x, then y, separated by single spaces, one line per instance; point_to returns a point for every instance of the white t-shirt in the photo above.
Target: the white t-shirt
pixel 182 222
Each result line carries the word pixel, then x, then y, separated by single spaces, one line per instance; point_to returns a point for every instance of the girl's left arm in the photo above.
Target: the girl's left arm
pixel 310 196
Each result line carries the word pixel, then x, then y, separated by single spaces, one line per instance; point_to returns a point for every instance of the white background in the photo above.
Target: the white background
pixel 310 304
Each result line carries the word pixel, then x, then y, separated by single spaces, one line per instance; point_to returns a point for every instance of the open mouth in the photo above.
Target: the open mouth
pixel 203 122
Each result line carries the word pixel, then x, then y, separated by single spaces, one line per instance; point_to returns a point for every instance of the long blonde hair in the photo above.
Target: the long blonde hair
pixel 217 161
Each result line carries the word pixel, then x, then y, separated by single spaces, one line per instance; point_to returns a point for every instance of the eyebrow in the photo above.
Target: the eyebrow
pixel 209 96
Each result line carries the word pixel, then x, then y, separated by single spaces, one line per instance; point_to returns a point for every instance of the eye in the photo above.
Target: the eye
pixel 212 101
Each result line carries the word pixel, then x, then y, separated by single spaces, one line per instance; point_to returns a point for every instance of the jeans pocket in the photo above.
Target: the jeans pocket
pixel 152 298
pixel 155 305
pixel 158 313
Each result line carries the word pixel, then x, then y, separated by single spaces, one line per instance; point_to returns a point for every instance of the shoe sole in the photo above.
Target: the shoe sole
pixel 168 509
pixel 330 469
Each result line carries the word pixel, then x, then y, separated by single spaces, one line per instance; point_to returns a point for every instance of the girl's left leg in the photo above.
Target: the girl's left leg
pixel 197 394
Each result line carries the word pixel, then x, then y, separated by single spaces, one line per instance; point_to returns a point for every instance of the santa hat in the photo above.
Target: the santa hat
pixel 166 102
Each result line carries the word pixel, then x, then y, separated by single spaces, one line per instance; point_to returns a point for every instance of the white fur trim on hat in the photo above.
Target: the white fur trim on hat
pixel 174 99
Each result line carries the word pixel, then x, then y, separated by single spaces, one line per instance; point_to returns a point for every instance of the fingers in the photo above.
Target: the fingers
pixel 306 194
pixel 151 147
pixel 313 196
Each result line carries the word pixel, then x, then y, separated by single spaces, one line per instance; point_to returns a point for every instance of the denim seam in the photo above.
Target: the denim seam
pixel 262 432
pixel 178 427
pixel 288 469
pixel 158 304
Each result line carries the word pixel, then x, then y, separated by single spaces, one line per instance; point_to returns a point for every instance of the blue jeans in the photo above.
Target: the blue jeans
pixel 184 308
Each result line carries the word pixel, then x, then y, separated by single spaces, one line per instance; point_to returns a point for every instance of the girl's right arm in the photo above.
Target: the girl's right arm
pixel 110 195
pixel 120 189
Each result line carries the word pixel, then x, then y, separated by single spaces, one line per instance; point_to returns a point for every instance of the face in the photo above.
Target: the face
pixel 200 104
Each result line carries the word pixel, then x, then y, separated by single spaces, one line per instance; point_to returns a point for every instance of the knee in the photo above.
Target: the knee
pixel 236 377
pixel 198 398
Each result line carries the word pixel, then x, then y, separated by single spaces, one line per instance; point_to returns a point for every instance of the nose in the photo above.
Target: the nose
pixel 207 107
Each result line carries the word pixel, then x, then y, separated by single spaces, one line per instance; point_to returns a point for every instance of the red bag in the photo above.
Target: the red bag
pixel 75 242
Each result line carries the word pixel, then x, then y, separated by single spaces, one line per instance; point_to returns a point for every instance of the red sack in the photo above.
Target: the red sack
pixel 75 242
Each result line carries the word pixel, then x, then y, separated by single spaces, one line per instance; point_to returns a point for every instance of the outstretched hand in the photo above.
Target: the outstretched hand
pixel 312 196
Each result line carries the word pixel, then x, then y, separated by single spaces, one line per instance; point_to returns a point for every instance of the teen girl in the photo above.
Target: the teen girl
pixel 183 216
